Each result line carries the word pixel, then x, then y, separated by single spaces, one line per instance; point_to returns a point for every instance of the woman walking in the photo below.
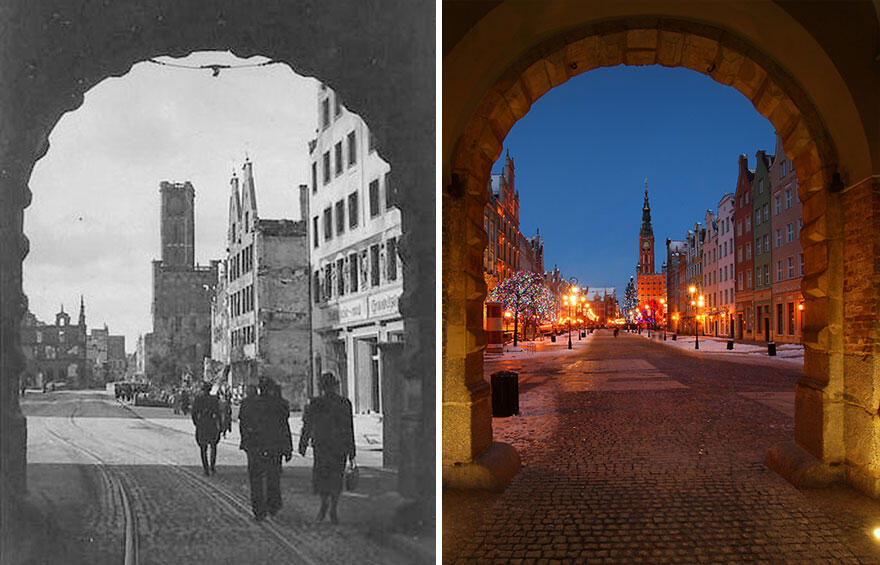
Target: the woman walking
pixel 329 427
pixel 206 417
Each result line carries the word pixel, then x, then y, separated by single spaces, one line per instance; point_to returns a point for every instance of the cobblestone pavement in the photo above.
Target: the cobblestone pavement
pixel 87 454
pixel 636 453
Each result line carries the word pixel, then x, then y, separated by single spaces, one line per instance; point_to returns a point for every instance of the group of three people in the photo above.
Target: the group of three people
pixel 327 426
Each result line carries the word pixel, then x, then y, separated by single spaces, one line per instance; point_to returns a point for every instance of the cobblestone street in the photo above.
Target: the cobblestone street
pixel 635 452
pixel 98 467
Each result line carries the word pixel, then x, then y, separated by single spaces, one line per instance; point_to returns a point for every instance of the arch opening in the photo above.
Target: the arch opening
pixel 49 75
pixel 824 448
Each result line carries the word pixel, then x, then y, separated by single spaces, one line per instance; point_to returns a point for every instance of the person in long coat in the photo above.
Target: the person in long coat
pixel 265 437
pixel 329 427
pixel 206 417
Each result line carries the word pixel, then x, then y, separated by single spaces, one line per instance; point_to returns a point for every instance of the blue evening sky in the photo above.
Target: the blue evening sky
pixel 583 151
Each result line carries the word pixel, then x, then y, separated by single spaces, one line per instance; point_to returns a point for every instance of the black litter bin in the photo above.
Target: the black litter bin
pixel 553 338
pixel 505 394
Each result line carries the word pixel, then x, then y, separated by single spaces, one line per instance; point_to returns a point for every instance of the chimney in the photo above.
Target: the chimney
pixel 304 203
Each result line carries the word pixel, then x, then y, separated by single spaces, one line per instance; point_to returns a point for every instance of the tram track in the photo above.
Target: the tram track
pixel 109 482
pixel 218 494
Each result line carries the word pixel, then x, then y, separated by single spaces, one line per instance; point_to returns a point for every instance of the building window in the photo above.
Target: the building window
pixel 748 251
pixel 337 105
pixel 389 196
pixel 353 272
pixel 766 243
pixel 748 224
pixel 778 238
pixel 766 212
pixel 779 319
pixel 391 259
pixel 778 204
pixel 800 225
pixel 315 231
pixel 791 267
pixel 314 177
pixel 749 279
pixel 353 210
pixel 352 148
pixel 370 142
pixel 788 199
pixel 739 254
pixel 338 149
pixel 374 198
pixel 791 318
pixel 328 282
pixel 326 167
pixel 739 281
pixel 325 113
pixel 374 265
pixel 766 274
pixel 801 255
pixel 757 219
pixel 778 271
pixel 758 277
pixel 328 224
pixel 340 217
pixel 760 186
pixel 789 233
pixel 340 276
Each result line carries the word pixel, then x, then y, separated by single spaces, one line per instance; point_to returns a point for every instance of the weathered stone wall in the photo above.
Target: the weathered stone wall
pixel 283 314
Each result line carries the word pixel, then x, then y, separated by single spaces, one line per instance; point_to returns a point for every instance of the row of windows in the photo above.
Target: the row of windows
pixel 339 209
pixel 351 142
pixel 243 336
pixel 242 301
pixel 356 271
pixel 241 263
pixel 788 201
pixel 762 273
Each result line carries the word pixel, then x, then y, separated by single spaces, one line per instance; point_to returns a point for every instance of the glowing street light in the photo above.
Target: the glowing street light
pixel 698 303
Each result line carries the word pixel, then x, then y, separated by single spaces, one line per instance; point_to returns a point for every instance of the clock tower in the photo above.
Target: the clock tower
pixel 646 239
pixel 177 219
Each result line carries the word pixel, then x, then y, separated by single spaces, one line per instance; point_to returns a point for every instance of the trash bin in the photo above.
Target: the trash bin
pixel 552 338
pixel 505 394
pixel 771 348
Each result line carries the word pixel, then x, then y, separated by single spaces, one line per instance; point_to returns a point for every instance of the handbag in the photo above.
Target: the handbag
pixel 352 476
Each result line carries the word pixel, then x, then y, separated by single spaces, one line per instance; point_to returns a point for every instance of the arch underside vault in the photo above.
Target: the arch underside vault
pixel 836 423
pixel 55 51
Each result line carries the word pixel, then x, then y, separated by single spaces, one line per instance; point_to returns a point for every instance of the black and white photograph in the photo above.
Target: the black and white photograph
pixel 218 282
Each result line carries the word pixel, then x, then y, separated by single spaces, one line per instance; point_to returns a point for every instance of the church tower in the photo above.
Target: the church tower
pixel 177 225
pixel 646 239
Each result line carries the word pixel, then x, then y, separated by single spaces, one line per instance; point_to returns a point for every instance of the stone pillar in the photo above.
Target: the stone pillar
pixel 470 458
pixel 391 355
pixel 861 335
pixel 14 197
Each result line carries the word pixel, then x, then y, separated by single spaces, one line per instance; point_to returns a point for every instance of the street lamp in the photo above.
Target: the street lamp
pixel 698 303
pixel 572 300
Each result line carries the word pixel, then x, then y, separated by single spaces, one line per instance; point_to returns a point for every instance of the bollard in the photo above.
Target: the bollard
pixel 771 348
pixel 494 334
pixel 673 337
pixel 729 344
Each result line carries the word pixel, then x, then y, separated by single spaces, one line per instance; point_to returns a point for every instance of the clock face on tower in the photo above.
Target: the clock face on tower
pixel 646 244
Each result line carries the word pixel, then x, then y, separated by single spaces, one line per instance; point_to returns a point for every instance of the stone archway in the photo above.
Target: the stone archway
pixel 836 424
pixel 56 51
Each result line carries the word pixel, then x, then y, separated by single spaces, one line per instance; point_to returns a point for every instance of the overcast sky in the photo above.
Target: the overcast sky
pixel 582 153
pixel 94 221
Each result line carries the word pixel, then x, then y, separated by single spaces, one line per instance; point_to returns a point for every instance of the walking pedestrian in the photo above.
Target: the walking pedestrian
pixel 329 427
pixel 206 417
pixel 265 437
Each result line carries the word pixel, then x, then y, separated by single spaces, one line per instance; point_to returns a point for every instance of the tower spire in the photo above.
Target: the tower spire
pixel 82 311
pixel 647 230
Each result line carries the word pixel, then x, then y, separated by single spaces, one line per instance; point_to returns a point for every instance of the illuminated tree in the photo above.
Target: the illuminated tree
pixel 630 301
pixel 524 294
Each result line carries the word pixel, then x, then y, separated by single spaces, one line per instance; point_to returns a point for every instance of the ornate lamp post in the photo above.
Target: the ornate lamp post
pixel 572 300
pixel 698 303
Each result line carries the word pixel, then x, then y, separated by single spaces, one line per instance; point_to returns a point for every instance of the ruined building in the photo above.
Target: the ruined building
pixel 182 291
pixel 260 318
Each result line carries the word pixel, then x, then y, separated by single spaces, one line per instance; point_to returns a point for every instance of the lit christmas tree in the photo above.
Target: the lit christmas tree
pixel 524 295
pixel 630 301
